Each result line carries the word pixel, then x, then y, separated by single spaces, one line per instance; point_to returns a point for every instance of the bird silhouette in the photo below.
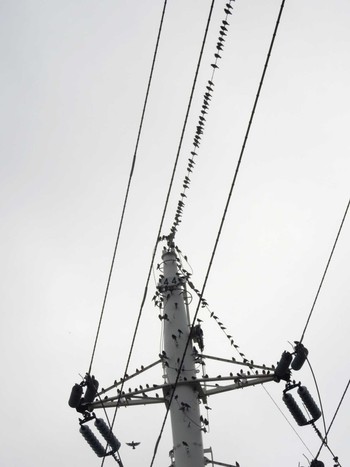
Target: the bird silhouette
pixel 133 444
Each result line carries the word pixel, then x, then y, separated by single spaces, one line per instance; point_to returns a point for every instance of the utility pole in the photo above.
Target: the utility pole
pixel 183 387
pixel 179 361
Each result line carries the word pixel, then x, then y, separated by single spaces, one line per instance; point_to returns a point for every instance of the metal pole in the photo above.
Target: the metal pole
pixel 184 409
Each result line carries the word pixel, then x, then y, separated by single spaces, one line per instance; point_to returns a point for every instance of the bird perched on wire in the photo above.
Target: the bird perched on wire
pixel 133 444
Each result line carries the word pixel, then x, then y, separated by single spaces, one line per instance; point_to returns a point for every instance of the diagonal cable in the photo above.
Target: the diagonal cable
pixel 335 414
pixel 325 272
pixel 165 208
pixel 128 188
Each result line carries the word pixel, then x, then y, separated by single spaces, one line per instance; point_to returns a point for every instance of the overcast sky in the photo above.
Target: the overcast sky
pixel 73 81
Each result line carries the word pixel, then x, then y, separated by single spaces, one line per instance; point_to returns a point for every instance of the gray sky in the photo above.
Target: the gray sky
pixel 73 80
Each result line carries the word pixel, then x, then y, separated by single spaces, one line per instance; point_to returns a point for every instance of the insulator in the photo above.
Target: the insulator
pixel 316 463
pixel 106 432
pixel 301 354
pixel 294 409
pixel 92 440
pixel 283 365
pixel 309 403
pixel 75 396
pixel 91 389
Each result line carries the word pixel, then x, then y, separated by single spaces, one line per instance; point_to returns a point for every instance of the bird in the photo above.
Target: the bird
pixel 133 444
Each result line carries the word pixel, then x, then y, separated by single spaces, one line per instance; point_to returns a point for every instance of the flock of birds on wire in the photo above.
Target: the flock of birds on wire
pixel 201 119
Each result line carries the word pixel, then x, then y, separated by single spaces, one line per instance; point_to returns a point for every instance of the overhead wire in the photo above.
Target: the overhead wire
pixel 319 397
pixel 128 187
pixel 201 122
pixel 283 415
pixel 167 199
pixel 174 170
pixel 126 200
pixel 222 222
pixel 325 272
pixel 332 421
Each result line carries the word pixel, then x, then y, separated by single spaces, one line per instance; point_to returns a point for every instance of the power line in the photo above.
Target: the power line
pixel 168 195
pixel 128 188
pixel 335 414
pixel 201 121
pixel 319 397
pixel 164 210
pixel 325 272
pixel 280 410
pixel 221 224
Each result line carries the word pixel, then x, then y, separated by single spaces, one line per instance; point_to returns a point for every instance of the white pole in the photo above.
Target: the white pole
pixel 184 410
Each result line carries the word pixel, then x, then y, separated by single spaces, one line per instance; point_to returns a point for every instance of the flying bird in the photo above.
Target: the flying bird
pixel 133 444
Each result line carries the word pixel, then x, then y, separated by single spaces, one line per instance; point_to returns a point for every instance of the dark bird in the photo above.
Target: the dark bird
pixel 207 407
pixel 184 443
pixel 133 444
